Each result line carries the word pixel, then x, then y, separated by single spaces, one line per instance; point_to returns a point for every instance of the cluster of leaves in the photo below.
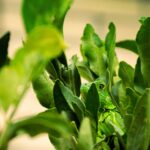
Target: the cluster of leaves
pixel 110 111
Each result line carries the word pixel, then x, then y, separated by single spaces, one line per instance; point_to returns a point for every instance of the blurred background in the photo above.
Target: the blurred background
pixel 125 15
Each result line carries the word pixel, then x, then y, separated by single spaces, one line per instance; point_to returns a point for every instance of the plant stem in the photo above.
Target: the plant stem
pixel 4 136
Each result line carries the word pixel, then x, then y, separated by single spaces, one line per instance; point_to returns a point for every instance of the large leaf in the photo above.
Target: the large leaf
pixel 46 122
pixel 85 141
pixel 143 42
pixel 65 100
pixel 4 48
pixel 44 12
pixel 42 44
pixel 138 135
pixel 93 51
pixel 43 88
pixel 130 45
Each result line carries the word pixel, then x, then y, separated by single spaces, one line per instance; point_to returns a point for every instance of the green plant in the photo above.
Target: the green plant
pixel 110 111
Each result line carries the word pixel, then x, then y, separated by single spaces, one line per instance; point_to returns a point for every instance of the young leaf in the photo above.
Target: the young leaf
pixel 126 73
pixel 110 48
pixel 43 88
pixel 71 77
pixel 42 44
pixel 130 45
pixel 65 100
pixel 139 83
pixel 92 107
pixel 93 51
pixel 4 48
pixel 44 12
pixel 143 42
pixel 92 104
pixel 138 135
pixel 85 141
pixel 85 72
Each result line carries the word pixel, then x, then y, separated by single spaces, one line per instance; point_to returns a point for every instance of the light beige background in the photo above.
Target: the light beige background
pixel 125 15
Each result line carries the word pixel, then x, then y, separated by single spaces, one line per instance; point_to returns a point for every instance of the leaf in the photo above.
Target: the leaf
pixel 42 44
pixel 92 108
pixel 143 43
pixel 4 48
pixel 92 104
pixel 130 45
pixel 126 99
pixel 138 135
pixel 51 71
pixel 84 71
pixel 43 88
pixel 110 48
pixel 71 77
pixel 93 51
pixel 85 141
pixel 126 73
pixel 48 122
pixel 39 12
pixel 65 100
pixel 139 83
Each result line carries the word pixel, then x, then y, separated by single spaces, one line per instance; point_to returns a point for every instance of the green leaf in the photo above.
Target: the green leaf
pixel 130 45
pixel 85 141
pixel 48 122
pixel 110 48
pixel 139 83
pixel 92 104
pixel 138 135
pixel 92 108
pixel 42 44
pixel 93 51
pixel 65 100
pixel 126 73
pixel 71 77
pixel 4 49
pixel 44 12
pixel 84 71
pixel 51 71
pixel 43 88
pixel 143 42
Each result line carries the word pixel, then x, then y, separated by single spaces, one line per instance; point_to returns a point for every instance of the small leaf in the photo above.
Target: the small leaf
pixel 85 141
pixel 143 42
pixel 92 104
pixel 110 48
pixel 84 71
pixel 126 73
pixel 43 88
pixel 4 48
pixel 130 45
pixel 72 78
pixel 92 107
pixel 139 83
pixel 138 135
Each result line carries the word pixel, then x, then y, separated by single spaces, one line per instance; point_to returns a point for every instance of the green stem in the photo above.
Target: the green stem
pixel 5 135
